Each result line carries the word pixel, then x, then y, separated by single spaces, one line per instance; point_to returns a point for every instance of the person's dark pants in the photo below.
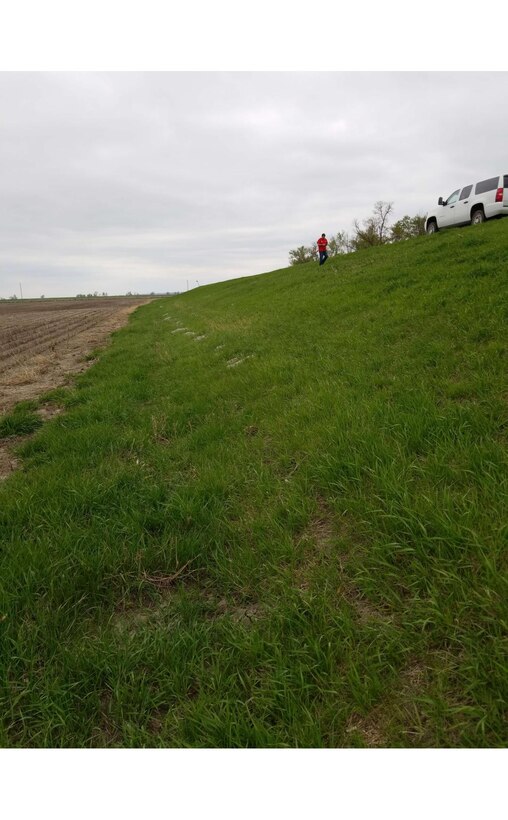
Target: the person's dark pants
pixel 323 256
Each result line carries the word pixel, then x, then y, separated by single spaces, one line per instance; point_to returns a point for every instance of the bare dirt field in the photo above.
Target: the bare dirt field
pixel 41 341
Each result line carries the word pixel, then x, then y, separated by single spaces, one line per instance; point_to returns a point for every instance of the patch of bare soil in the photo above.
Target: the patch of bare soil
pixel 398 713
pixel 368 728
pixel 331 538
pixel 238 613
pixel 49 411
pixel 41 343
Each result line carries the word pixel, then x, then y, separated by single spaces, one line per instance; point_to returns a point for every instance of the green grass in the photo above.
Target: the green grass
pixel 306 548
pixel 21 421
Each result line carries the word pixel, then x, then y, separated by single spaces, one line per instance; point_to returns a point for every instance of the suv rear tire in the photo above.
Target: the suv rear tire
pixel 431 226
pixel 478 216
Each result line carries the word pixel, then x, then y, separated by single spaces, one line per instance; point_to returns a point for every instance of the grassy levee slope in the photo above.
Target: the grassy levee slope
pixel 273 513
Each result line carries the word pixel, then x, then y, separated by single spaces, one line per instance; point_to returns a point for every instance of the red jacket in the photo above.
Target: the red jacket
pixel 322 243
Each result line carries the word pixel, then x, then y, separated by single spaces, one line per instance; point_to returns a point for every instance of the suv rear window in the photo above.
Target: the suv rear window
pixel 486 185
pixel 506 180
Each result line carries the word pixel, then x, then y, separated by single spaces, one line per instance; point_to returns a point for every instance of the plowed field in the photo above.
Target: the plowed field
pixel 42 341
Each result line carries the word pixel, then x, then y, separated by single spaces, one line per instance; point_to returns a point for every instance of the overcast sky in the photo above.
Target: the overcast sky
pixel 143 182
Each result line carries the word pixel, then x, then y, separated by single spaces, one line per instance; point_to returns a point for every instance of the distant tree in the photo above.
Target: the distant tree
pixel 332 248
pixel 382 211
pixel 80 296
pixel 43 297
pixel 407 227
pixel 104 293
pixel 364 237
pixel 375 229
pixel 340 243
pixel 314 253
pixel 300 255
pixel 13 297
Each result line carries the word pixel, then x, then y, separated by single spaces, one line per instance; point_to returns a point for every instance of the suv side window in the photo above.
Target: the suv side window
pixel 486 185
pixel 453 197
pixel 465 192
pixel 506 180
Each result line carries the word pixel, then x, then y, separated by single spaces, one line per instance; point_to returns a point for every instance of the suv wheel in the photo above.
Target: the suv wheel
pixel 477 217
pixel 432 227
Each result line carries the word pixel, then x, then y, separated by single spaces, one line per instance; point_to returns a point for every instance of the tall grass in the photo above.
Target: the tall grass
pixel 273 514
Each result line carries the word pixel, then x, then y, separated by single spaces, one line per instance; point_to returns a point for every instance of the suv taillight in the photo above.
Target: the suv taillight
pixel 499 195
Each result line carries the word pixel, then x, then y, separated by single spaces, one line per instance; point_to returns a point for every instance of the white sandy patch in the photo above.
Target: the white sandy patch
pixel 236 361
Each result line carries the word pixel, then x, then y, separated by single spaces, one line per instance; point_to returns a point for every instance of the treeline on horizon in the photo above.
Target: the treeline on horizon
pixel 376 230
pixel 94 295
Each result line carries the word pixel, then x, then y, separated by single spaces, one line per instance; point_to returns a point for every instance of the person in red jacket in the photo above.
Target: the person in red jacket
pixel 322 245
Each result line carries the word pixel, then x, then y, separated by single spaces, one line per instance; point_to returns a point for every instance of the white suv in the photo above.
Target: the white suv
pixel 467 206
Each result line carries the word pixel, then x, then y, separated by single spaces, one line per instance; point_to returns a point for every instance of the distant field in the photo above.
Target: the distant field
pixel 43 340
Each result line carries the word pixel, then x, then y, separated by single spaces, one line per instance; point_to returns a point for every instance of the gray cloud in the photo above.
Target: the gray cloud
pixel 142 181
